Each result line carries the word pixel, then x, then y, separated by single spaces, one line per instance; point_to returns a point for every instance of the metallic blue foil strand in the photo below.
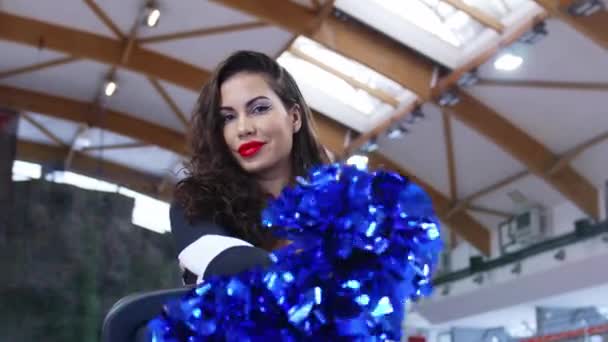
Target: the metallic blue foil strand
pixel 364 243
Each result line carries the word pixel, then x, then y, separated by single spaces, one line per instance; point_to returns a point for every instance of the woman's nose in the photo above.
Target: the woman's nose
pixel 245 126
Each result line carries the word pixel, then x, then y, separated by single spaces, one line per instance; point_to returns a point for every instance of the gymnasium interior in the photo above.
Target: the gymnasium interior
pixel 496 108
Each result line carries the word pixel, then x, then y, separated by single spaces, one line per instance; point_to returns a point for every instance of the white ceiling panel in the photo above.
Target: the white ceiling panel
pixel 176 16
pixel 593 164
pixel 63 129
pixel 206 52
pixel 152 160
pixel 184 98
pixel 422 151
pixel 559 119
pixel 100 137
pixel 564 55
pixel 74 14
pixel 78 80
pixel 479 162
pixel 534 189
pixel 28 132
pixel 137 97
pixel 16 55
pixel 487 220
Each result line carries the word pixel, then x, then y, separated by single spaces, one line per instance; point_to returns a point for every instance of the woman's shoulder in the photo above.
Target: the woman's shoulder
pixel 205 248
pixel 186 230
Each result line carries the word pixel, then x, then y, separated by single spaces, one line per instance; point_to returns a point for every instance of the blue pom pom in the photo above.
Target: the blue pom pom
pixel 363 243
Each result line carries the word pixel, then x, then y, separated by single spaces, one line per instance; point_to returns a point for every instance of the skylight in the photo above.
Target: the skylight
pixel 437 17
pixel 349 67
pixel 333 74
pixel 496 8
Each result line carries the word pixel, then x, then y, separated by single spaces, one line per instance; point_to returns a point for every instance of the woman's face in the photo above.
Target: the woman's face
pixel 257 127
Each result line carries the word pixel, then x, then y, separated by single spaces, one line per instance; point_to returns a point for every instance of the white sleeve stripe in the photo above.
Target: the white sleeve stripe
pixel 197 256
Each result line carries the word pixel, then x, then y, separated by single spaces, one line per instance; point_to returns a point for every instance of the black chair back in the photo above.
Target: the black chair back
pixel 126 321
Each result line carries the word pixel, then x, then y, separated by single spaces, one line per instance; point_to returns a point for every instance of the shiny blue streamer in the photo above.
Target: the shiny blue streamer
pixel 363 243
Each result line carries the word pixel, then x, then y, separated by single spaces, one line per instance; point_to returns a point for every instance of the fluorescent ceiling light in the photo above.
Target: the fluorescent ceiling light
pixel 508 62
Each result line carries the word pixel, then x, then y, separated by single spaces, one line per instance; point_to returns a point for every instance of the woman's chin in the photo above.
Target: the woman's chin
pixel 254 165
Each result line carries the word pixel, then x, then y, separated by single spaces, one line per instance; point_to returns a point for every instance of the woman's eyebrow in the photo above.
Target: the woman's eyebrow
pixel 249 103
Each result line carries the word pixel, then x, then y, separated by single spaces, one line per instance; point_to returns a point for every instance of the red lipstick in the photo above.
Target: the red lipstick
pixel 250 148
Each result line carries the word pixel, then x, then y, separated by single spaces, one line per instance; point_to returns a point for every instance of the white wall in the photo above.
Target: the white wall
pixel 542 275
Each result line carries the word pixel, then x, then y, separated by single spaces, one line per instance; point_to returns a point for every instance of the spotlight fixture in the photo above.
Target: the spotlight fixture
pixel 448 99
pixel 370 146
pixel 110 86
pixel 151 14
pixel 537 33
pixel 585 8
pixel 358 160
pixel 468 79
pixel 416 116
pixel 560 255
pixel 397 131
pixel 478 279
pixel 508 61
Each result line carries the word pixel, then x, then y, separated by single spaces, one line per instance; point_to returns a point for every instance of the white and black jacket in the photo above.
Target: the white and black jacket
pixel 205 249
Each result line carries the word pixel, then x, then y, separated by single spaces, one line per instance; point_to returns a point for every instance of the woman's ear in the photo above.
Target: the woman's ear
pixel 296 116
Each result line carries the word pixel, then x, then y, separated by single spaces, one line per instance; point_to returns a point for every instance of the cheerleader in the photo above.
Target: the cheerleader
pixel 251 134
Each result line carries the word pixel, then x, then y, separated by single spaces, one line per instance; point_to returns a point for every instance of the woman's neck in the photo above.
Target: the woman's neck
pixel 274 181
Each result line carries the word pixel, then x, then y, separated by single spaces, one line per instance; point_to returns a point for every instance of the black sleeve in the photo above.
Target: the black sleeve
pixel 231 260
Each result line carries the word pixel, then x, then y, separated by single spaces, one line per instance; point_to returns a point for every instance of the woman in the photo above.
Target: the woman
pixel 251 135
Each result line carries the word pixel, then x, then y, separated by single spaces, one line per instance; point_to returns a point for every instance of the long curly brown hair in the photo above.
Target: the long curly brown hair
pixel 216 188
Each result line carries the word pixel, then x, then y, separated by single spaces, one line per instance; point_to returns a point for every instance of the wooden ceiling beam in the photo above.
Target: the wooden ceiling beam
pixel 478 15
pixel 528 151
pixel 105 19
pixel 43 129
pixel 415 72
pixel 489 211
pixel 449 81
pixel 347 38
pixel 169 101
pixel 353 82
pixel 562 161
pixel 551 85
pixel 331 135
pixel 72 110
pixel 124 146
pixel 567 157
pixel 594 27
pixel 317 4
pixel 80 44
pixel 207 31
pixel 466 202
pixel 89 166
